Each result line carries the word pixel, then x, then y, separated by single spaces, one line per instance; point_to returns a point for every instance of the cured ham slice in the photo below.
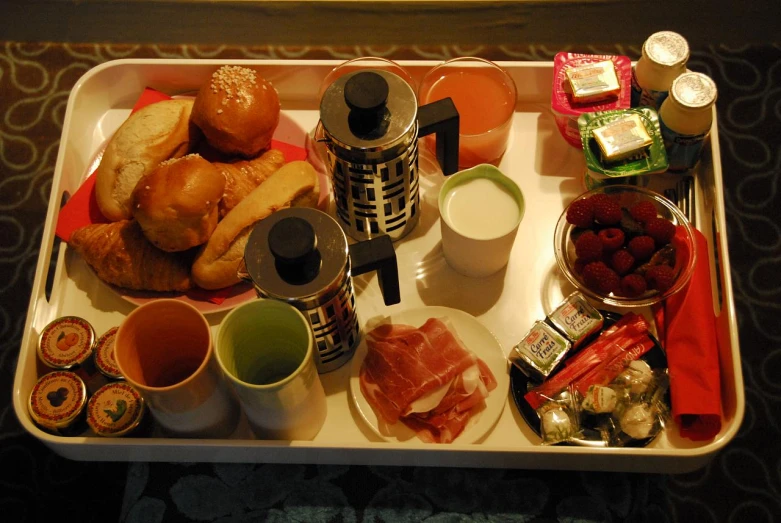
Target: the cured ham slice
pixel 424 378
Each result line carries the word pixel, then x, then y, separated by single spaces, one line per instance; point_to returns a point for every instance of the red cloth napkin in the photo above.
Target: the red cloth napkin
pixel 82 208
pixel 687 324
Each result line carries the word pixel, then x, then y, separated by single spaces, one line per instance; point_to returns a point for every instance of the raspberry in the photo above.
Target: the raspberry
pixel 641 247
pixel 660 277
pixel 588 247
pixel 606 209
pixel 611 238
pixel 633 285
pixel 580 213
pixel 643 211
pixel 622 261
pixel 661 230
pixel 600 278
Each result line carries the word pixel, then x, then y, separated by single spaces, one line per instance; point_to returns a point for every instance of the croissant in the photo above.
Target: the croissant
pixel 244 175
pixel 120 254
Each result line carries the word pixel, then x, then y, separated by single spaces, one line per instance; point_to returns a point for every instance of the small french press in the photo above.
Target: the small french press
pixel 300 255
pixel 371 124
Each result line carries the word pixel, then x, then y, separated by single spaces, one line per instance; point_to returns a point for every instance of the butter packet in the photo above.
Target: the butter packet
pixel 592 82
pixel 623 143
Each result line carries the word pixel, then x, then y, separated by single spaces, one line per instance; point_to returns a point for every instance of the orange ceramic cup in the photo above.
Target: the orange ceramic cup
pixel 164 348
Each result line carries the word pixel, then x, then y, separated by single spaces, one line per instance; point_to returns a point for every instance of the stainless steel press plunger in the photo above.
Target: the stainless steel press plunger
pixel 371 124
pixel 300 255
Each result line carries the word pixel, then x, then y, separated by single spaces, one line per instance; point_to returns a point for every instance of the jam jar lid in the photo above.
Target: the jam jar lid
pixel 694 90
pixel 57 400
pixel 667 49
pixel 105 361
pixel 369 110
pixel 297 254
pixel 66 342
pixel 115 409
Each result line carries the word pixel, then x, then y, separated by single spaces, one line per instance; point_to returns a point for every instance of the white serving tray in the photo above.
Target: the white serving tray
pixel 550 174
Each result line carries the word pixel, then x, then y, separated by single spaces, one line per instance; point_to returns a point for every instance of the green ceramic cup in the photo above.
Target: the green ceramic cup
pixel 266 349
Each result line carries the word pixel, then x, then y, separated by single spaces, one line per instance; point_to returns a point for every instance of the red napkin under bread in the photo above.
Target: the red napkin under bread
pixel 82 208
pixel 687 326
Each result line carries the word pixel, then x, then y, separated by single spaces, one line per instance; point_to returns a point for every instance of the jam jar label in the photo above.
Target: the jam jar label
pixel 66 342
pixel 57 399
pixel 115 409
pixel 105 361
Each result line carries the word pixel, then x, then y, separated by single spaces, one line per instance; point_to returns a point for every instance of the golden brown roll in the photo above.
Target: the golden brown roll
pixel 177 203
pixel 149 136
pixel 120 254
pixel 237 110
pixel 243 176
pixel 218 261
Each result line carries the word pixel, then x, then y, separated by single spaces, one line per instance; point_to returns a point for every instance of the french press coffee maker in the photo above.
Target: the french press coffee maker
pixel 300 255
pixel 371 124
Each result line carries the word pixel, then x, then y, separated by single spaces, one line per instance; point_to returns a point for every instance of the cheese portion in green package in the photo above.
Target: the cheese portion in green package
pixel 622 138
pixel 540 351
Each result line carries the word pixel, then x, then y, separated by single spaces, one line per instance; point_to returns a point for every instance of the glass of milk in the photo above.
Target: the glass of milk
pixel 481 209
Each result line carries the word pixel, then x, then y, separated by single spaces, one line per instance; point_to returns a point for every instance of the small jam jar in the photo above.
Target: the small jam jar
pixel 116 409
pixel 57 403
pixel 66 343
pixel 105 361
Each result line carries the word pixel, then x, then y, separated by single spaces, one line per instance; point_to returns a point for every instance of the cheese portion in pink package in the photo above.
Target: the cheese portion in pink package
pixel 566 109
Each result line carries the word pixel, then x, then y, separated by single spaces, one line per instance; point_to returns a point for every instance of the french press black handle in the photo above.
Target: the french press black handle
pixel 441 117
pixel 378 255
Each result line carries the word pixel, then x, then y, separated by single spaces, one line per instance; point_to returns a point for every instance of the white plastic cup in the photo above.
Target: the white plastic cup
pixel 481 210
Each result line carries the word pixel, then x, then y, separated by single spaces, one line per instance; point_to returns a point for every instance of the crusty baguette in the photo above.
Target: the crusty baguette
pixel 155 133
pixel 217 263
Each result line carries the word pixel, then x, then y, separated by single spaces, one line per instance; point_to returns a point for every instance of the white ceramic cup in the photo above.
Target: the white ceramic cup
pixel 266 348
pixel 164 348
pixel 481 210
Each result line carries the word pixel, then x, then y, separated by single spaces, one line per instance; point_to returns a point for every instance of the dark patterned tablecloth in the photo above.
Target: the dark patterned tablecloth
pixel 742 484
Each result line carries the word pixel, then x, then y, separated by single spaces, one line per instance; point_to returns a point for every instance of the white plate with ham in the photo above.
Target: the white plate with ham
pixel 432 374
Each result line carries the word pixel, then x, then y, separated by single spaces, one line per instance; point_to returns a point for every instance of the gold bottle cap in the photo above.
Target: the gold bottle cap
pixel 57 400
pixel 105 361
pixel 66 342
pixel 694 90
pixel 667 49
pixel 115 409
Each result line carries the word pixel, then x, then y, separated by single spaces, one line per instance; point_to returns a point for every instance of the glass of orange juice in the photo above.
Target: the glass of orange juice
pixel 484 95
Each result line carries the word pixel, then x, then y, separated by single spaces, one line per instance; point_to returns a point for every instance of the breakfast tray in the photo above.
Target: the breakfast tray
pixel 548 171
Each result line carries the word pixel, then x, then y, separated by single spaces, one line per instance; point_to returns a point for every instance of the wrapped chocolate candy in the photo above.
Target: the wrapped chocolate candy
pixel 559 419
pixel 637 377
pixel 599 399
pixel 638 417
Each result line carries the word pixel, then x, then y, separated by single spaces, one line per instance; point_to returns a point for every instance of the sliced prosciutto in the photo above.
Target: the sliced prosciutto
pixel 425 378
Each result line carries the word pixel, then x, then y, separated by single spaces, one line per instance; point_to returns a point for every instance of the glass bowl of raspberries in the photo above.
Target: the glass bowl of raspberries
pixel 625 246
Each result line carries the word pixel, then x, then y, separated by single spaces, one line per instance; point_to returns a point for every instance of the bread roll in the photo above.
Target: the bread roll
pixel 149 136
pixel 217 264
pixel 243 176
pixel 237 110
pixel 177 203
pixel 120 254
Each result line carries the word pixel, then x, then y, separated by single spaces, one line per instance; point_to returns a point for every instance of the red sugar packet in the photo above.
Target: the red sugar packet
pixel 688 329
pixel 614 342
pixel 82 207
